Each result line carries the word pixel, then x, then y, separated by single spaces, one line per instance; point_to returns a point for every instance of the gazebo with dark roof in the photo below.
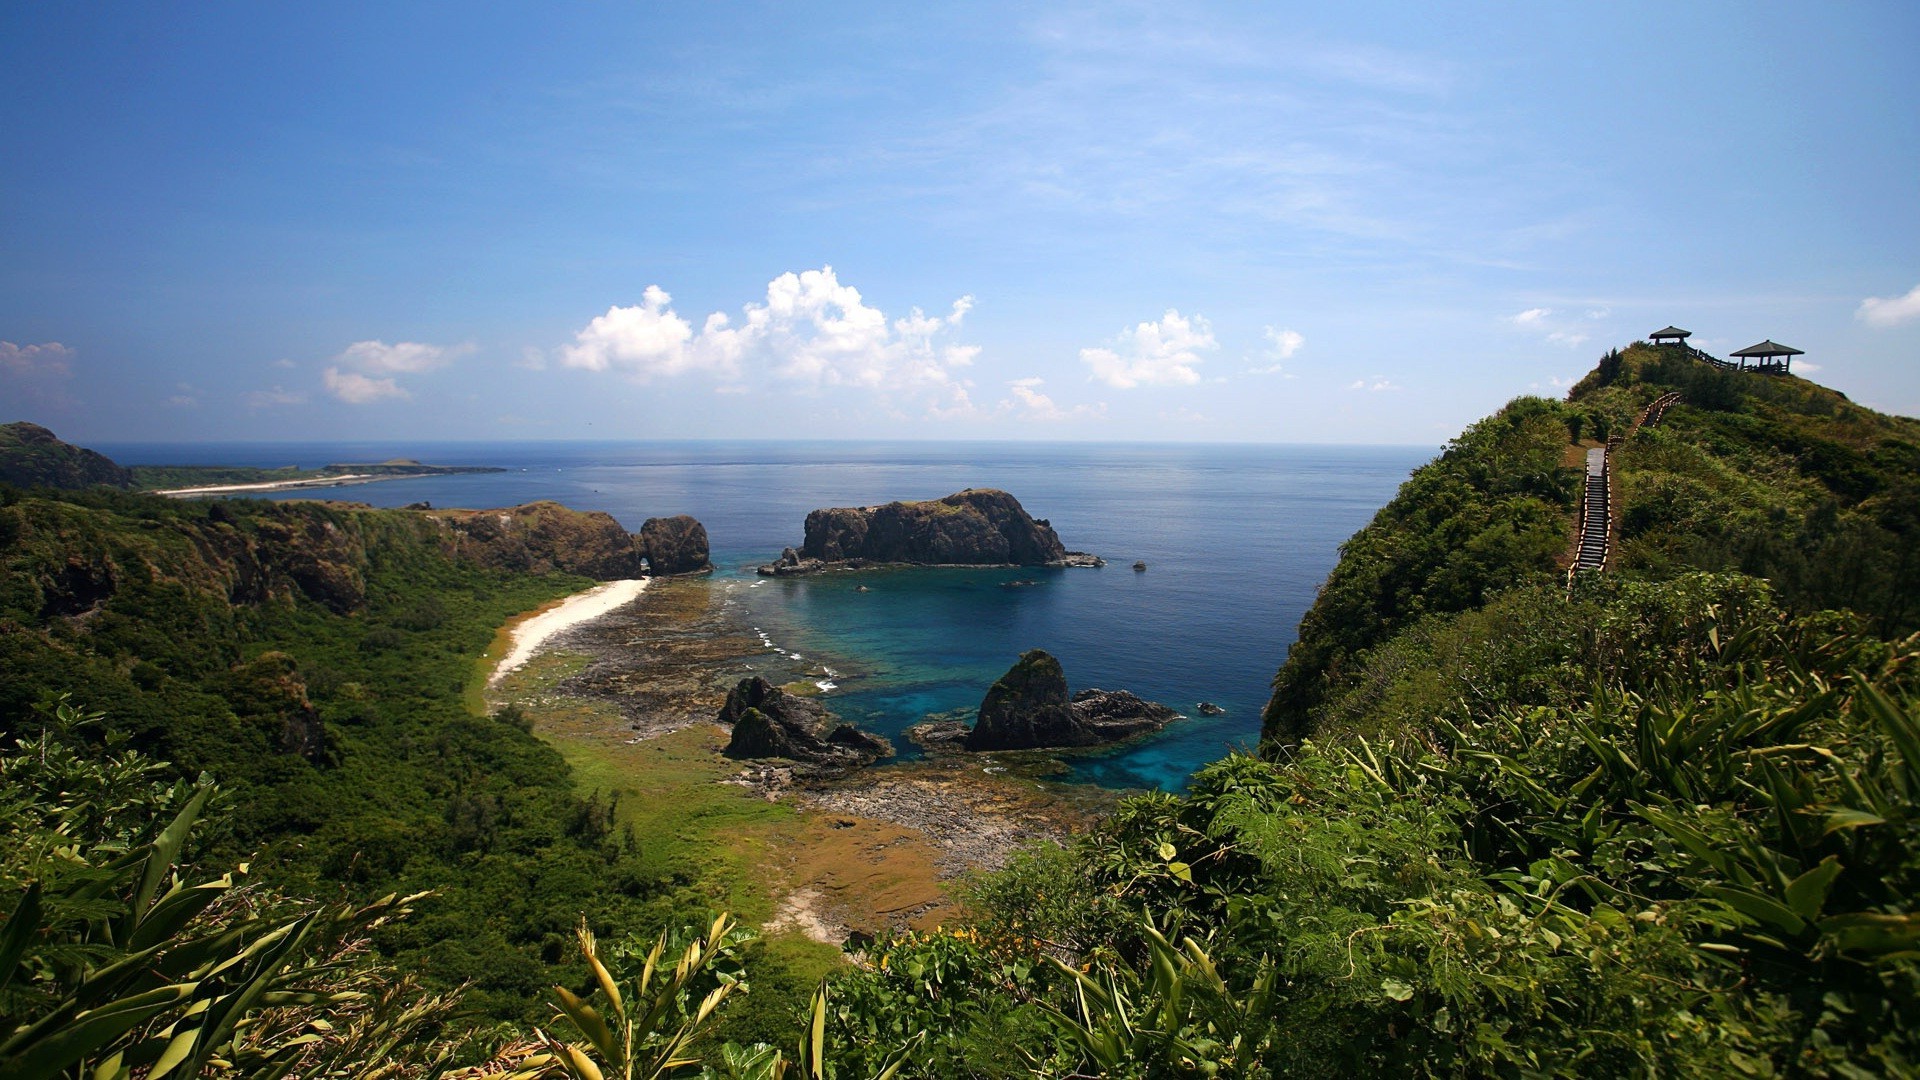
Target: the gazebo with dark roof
pixel 1672 335
pixel 1769 356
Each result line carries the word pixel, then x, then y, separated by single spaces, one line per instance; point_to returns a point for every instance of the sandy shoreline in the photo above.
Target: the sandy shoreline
pixel 274 485
pixel 571 612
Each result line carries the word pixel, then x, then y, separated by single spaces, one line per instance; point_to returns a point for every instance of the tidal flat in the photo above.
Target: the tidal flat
pixel 630 698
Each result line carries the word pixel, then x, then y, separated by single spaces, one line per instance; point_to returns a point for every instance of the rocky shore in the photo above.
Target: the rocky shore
pixel 669 661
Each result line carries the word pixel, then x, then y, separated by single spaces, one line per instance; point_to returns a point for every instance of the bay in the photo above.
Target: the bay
pixel 1236 539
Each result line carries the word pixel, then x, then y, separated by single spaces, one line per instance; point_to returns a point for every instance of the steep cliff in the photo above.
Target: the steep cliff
pixel 976 527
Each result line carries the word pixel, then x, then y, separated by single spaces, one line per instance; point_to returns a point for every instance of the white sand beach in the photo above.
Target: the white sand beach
pixel 571 612
pixel 274 485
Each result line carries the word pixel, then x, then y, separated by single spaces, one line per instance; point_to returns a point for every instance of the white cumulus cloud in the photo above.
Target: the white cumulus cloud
pixel 1889 310
pixel 356 389
pixel 811 328
pixel 645 340
pixel 1163 353
pixel 1530 317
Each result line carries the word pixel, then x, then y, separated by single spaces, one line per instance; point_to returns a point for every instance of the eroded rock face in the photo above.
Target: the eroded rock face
pixel 541 537
pixel 674 545
pixel 769 722
pixel 976 527
pixel 1028 708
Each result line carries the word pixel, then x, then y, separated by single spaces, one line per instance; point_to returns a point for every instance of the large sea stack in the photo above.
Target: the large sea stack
pixel 1029 709
pixel 674 545
pixel 769 722
pixel 976 527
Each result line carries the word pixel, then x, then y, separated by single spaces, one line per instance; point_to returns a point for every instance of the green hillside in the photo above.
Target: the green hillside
pixel 1771 476
pixel 312 658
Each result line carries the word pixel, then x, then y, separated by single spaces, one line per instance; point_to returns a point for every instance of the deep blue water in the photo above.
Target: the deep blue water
pixel 1236 538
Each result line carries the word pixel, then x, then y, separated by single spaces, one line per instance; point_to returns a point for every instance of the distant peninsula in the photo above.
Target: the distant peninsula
pixel 188 481
pixel 975 527
pixel 33 457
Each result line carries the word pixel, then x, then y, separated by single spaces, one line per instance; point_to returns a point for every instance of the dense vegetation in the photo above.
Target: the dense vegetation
pixel 312 660
pixel 1771 476
pixel 1712 875
pixel 165 477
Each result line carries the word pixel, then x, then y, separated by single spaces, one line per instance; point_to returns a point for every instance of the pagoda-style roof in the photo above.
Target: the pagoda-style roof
pixel 1672 332
pixel 1769 348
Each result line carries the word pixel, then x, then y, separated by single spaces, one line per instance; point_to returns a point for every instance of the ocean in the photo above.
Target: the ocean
pixel 1236 539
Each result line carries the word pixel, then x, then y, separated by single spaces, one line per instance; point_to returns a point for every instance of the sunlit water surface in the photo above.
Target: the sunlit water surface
pixel 1235 538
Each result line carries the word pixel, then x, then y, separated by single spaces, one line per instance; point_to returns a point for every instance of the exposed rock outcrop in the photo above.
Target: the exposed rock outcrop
pixel 541 537
pixel 976 527
pixel 1029 708
pixel 32 456
pixel 674 545
pixel 769 722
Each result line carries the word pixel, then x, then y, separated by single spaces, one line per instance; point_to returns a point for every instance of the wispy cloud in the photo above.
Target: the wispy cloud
pixel 1028 403
pixel 363 372
pixel 404 357
pixel 356 389
pixel 1163 353
pixel 47 360
pixel 1281 345
pixel 277 397
pixel 1377 384
pixel 1889 311
pixel 37 373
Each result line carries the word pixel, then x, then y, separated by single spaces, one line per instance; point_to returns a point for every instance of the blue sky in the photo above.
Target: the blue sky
pixel 1256 222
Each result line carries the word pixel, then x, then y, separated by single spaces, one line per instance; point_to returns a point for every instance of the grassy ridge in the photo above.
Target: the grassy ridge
pixel 1774 477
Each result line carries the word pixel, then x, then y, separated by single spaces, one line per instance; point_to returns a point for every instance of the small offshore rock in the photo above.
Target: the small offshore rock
pixel 1140 567
pixel 768 722
pixel 1028 708
pixel 1208 708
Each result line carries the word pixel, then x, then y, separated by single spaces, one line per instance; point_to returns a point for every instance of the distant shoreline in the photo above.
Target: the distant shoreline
pixel 275 485
pixel 348 474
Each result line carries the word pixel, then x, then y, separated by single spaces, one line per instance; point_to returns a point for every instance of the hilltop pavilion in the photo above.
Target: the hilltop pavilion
pixel 1769 356
pixel 1672 335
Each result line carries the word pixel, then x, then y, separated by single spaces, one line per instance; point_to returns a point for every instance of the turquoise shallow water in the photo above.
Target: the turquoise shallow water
pixel 1236 538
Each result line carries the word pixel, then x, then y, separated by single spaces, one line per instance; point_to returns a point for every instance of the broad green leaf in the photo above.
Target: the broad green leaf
pixel 1849 818
pixel 1807 894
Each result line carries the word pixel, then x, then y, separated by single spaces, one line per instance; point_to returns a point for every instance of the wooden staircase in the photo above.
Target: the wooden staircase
pixel 1595 545
pixel 1596 515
